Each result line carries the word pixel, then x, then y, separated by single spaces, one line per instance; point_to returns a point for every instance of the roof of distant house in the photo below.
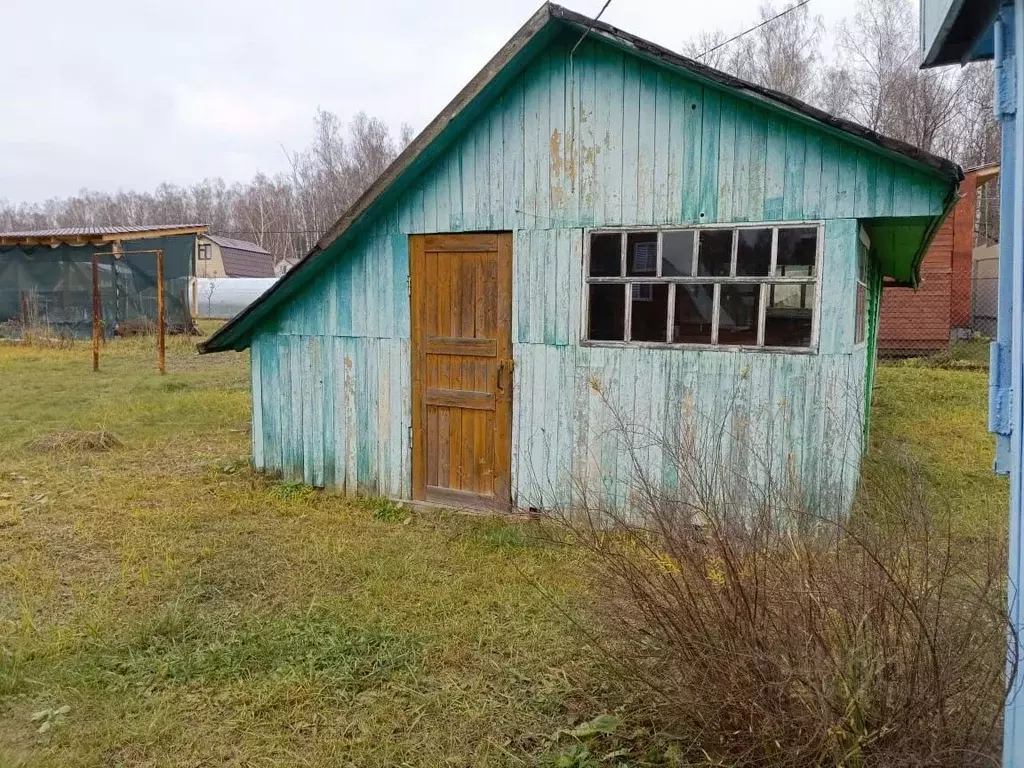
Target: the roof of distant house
pixel 98 234
pixel 242 258
pixel 238 245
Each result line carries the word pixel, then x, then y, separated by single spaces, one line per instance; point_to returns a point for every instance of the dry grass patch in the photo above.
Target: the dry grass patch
pixel 75 440
pixel 191 611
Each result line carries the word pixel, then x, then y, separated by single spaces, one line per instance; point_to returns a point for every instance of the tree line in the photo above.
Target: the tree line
pixel 285 213
pixel 865 70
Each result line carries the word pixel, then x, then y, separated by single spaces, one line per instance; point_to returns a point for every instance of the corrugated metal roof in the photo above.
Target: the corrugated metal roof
pixel 238 245
pixel 104 230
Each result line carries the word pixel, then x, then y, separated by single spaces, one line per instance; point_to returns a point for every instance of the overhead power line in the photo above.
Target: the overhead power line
pixel 755 28
pixel 592 23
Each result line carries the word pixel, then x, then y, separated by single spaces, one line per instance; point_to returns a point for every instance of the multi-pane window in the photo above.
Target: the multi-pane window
pixel 861 316
pixel 204 252
pixel 737 286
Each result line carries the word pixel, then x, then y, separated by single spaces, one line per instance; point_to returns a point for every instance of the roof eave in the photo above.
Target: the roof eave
pixel 926 242
pixel 772 99
pixel 963 28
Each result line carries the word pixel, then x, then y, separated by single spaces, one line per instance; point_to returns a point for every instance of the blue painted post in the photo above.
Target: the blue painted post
pixel 999 368
pixel 1010 79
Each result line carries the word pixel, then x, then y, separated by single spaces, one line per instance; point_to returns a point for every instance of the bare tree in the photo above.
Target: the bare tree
pixel 890 93
pixel 872 78
pixel 974 135
pixel 285 213
pixel 782 54
pixel 835 91
pixel 713 49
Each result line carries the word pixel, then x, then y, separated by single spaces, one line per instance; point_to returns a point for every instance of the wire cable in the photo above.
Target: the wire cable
pixel 592 23
pixel 753 29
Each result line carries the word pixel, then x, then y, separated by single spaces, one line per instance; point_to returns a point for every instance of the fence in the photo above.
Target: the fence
pixel 949 320
pixel 50 287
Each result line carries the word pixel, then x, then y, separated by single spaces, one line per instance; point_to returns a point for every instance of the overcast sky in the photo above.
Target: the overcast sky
pixel 111 94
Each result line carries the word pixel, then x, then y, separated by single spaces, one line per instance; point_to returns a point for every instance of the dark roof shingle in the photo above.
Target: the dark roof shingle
pixel 245 263
pixel 238 245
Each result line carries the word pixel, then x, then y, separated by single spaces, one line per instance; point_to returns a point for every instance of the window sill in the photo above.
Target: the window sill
pixel 728 348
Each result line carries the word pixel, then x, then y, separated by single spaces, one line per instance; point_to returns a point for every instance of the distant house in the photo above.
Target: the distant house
pixel 218 256
pixel 46 276
pixel 282 267
pixel 941 307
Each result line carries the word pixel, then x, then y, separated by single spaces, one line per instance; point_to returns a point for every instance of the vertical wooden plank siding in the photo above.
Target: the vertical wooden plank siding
pixel 258 459
pixel 605 140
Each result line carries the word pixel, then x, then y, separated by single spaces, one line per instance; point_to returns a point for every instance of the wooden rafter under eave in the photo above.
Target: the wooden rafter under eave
pixel 155 233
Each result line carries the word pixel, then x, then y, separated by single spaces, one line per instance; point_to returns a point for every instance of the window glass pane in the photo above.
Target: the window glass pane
pixel 607 313
pixel 737 315
pixel 861 321
pixel 642 253
pixel 606 255
pixel 754 252
pixel 715 252
pixel 650 312
pixel 797 248
pixel 694 309
pixel 788 316
pixel 677 254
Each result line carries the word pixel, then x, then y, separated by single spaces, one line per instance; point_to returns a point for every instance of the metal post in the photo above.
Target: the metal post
pixel 999 358
pixel 1011 27
pixel 160 311
pixel 96 312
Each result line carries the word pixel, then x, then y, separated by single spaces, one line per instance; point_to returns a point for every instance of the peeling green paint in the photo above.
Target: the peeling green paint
pixel 640 146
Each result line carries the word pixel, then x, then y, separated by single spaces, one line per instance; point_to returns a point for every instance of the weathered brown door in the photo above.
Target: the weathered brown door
pixel 462 368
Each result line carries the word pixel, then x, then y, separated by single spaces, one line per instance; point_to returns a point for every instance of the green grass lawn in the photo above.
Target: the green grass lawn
pixel 161 604
pixel 937 419
pixel 190 612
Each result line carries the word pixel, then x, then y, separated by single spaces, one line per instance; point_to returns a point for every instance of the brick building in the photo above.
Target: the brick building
pixel 939 309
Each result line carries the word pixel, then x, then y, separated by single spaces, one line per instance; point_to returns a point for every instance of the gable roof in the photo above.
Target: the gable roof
pixel 238 245
pixel 239 263
pixel 508 62
pixel 98 234
pixel 242 258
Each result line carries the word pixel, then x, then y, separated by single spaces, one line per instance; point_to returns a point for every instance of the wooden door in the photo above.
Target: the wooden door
pixel 462 368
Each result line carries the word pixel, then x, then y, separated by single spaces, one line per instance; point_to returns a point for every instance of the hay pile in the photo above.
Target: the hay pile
pixel 75 440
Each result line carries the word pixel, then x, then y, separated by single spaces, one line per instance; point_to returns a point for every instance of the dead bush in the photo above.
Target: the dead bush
pixel 75 440
pixel 140 326
pixel 769 633
pixel 32 327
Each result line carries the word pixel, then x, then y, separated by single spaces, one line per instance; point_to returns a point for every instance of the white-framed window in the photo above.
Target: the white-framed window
pixel 736 286
pixel 860 322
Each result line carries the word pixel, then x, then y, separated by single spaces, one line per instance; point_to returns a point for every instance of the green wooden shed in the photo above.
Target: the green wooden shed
pixel 596 236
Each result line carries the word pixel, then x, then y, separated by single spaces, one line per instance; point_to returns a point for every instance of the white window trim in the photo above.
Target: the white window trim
pixel 864 240
pixel 717 281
